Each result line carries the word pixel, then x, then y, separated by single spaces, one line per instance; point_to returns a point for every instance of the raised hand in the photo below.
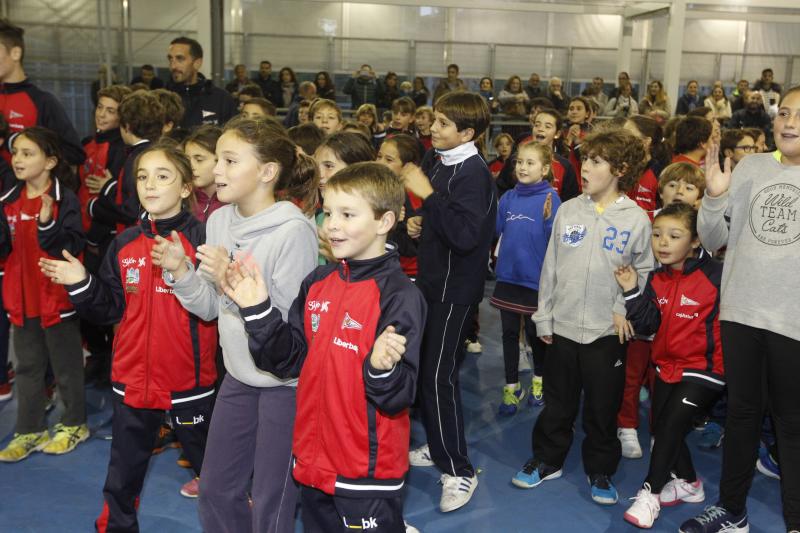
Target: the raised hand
pixel 46 212
pixel 388 349
pixel 214 261
pixel 95 183
pixel 67 272
pixel 548 206
pixel 244 285
pixel 414 227
pixel 626 277
pixel 416 181
pixel 169 254
pixel 623 328
pixel 717 180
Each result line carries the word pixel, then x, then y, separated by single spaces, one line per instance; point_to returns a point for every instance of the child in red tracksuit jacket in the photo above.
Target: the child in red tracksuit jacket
pixel 680 304
pixel 163 355
pixel 39 216
pixel 353 337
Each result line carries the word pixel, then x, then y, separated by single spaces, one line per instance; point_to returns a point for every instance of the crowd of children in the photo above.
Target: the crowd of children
pixel 316 284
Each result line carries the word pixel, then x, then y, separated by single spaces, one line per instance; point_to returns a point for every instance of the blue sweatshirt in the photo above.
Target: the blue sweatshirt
pixel 524 233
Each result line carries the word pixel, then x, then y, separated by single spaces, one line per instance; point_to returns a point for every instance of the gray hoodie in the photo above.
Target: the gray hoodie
pixel 578 293
pixel 759 278
pixel 283 242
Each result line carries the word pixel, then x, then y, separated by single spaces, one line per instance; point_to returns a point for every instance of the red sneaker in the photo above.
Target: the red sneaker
pixel 191 489
pixel 5 392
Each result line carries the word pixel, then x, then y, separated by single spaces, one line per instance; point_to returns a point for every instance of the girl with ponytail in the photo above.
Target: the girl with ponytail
pixel 658 155
pixel 270 188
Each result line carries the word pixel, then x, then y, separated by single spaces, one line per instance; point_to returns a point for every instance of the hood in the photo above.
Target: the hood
pixel 246 228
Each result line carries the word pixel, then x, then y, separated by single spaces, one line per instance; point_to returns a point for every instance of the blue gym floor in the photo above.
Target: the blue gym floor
pixel 63 494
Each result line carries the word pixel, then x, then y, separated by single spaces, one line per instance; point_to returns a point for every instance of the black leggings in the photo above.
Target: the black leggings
pixel 762 369
pixel 675 405
pixel 510 324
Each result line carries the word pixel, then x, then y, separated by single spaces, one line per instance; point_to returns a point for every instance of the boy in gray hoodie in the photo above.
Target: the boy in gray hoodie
pixel 581 313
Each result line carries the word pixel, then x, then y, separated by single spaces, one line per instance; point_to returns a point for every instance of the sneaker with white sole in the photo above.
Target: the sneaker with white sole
pixel 456 491
pixel 191 489
pixel 629 439
pixel 536 398
pixel 24 444
pixel 767 465
pixel 603 490
pixel 410 528
pixel 66 438
pixel 716 519
pixel 712 436
pixel 420 456
pixel 679 490
pixel 533 473
pixel 645 508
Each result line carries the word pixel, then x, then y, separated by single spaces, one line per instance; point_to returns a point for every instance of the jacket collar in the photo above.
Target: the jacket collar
pixel 690 265
pixel 357 270
pixel 164 226
pixel 56 191
pixel 459 154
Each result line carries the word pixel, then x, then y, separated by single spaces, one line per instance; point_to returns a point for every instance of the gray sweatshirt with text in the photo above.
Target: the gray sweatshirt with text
pixel 578 292
pixel 283 243
pixel 760 286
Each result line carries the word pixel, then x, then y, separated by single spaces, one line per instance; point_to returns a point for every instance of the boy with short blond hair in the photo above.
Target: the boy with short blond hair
pixel 353 336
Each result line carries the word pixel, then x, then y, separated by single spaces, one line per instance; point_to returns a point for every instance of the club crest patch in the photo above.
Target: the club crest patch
pixel 573 234
pixel 132 280
pixel 314 322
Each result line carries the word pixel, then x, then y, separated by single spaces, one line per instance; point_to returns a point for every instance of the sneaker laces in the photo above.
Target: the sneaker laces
pixel 537 388
pixel 530 466
pixel 510 396
pixel 710 514
pixel 456 483
pixel 601 481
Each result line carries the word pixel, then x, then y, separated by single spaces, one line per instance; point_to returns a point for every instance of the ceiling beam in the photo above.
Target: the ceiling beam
pixel 742 16
pixel 500 5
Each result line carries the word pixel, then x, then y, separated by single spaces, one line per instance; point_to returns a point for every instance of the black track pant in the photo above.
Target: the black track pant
pixel 439 389
pixel 510 321
pixel 762 369
pixel 675 406
pixel 323 513
pixel 134 432
pixel 598 369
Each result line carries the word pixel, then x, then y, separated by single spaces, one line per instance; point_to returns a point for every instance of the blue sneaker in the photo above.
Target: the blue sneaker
pixel 712 436
pixel 511 398
pixel 767 465
pixel 716 519
pixel 603 491
pixel 533 473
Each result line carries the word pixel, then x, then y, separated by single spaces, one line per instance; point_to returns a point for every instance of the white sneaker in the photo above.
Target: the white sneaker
pixel 456 491
pixel 410 528
pixel 629 438
pixel 679 490
pixel 645 508
pixel 474 347
pixel 420 456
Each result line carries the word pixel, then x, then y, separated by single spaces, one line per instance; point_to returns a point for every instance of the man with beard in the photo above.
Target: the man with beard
pixel 204 103
pixel 270 87
pixel 752 115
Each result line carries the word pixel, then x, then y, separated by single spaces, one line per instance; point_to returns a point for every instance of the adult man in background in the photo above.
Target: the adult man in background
pixel 204 103
pixel 270 87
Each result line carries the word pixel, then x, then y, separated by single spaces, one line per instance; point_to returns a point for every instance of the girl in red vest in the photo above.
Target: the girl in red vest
pixel 41 217
pixel 163 355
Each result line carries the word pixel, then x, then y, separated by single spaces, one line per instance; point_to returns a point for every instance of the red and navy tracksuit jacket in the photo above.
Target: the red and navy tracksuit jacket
pixel 645 191
pixel 682 309
pixel 17 236
pixel 352 427
pixel 25 105
pixel 104 151
pixel 574 155
pixel 117 204
pixel 163 355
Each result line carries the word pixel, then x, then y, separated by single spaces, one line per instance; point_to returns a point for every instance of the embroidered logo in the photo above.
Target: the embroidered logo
pixel 573 235
pixel 132 280
pixel 344 344
pixel 13 114
pixel 643 189
pixel 349 323
pixel 687 301
pixel 663 300
pixel 314 322
pixel 322 307
pixel 208 113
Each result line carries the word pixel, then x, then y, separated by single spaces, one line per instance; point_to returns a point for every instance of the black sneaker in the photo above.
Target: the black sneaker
pixel 603 490
pixel 533 473
pixel 166 439
pixel 716 519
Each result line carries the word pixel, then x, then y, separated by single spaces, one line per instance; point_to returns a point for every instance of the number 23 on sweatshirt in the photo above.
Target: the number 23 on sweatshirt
pixel 577 290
